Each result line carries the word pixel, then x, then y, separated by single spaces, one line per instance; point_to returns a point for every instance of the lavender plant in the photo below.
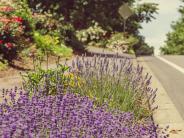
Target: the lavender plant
pixel 112 81
pixel 65 116
pixel 104 98
pixel 116 82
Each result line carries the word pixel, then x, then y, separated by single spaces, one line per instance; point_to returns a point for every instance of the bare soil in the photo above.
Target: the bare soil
pixel 24 65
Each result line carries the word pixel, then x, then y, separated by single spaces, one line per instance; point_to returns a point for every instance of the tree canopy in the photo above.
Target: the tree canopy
pixel 175 38
pixel 81 14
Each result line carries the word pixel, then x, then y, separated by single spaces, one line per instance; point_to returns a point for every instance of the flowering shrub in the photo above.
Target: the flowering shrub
pixel 23 10
pixel 64 116
pixel 93 33
pixel 121 43
pixel 10 28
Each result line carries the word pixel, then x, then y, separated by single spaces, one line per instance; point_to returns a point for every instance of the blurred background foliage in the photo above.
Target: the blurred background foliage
pixel 175 38
pixel 96 20
pixel 58 26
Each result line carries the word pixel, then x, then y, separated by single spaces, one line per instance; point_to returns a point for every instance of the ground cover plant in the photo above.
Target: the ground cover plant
pixel 84 100
pixel 65 116
pixel 94 97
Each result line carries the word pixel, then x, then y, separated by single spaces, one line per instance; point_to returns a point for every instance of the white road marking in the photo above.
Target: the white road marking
pixel 171 64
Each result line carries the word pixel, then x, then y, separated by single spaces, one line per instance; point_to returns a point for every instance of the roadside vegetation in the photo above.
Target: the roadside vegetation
pixel 94 96
pixel 174 45
pixel 22 39
pixel 30 28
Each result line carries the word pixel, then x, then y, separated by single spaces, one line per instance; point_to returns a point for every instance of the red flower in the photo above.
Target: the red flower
pixel 9 45
pixel 1 42
pixel 17 19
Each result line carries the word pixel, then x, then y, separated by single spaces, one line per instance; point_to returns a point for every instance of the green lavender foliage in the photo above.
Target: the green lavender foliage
pixel 115 82
pixel 108 81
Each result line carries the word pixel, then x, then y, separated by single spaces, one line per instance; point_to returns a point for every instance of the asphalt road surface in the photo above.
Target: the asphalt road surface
pixel 170 77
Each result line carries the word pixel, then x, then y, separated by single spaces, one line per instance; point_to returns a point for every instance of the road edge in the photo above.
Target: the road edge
pixel 166 114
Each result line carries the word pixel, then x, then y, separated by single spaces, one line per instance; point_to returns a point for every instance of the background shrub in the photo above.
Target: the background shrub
pixel 92 34
pixel 11 27
pixel 121 42
pixel 24 32
pixel 82 14
pixel 51 45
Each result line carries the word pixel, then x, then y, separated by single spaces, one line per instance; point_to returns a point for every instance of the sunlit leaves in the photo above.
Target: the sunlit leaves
pixel 175 38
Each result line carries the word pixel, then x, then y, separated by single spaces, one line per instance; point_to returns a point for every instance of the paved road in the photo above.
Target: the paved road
pixel 179 60
pixel 171 79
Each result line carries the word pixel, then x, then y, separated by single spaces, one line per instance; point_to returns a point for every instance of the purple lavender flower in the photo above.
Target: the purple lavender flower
pixel 73 116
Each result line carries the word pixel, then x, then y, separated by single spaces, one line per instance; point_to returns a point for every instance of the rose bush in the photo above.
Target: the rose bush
pixel 11 27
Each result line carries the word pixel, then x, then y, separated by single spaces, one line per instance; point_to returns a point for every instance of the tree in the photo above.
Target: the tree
pixel 81 13
pixel 175 38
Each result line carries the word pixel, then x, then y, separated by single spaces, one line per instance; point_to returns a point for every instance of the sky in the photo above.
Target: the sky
pixel 155 31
